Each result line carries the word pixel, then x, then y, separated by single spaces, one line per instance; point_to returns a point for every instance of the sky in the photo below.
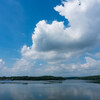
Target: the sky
pixel 49 37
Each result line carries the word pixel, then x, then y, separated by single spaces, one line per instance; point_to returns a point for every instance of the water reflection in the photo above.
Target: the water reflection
pixel 31 82
pixel 40 90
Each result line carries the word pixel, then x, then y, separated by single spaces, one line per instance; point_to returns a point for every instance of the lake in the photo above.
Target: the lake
pixel 49 90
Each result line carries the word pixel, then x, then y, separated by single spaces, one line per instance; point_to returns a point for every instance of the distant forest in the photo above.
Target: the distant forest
pixel 32 78
pixel 95 79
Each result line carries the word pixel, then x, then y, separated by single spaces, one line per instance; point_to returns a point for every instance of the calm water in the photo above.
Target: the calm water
pixel 53 90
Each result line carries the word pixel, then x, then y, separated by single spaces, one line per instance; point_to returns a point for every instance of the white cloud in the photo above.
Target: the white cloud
pixel 55 43
pixel 3 69
pixel 90 67
pixel 1 62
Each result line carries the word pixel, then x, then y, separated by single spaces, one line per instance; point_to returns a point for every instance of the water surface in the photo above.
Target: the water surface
pixel 49 90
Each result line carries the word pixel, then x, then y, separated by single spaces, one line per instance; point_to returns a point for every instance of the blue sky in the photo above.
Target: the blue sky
pixel 58 36
pixel 18 19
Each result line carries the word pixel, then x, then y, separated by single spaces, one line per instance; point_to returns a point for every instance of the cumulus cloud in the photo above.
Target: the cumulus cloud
pixel 57 44
pixel 89 67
